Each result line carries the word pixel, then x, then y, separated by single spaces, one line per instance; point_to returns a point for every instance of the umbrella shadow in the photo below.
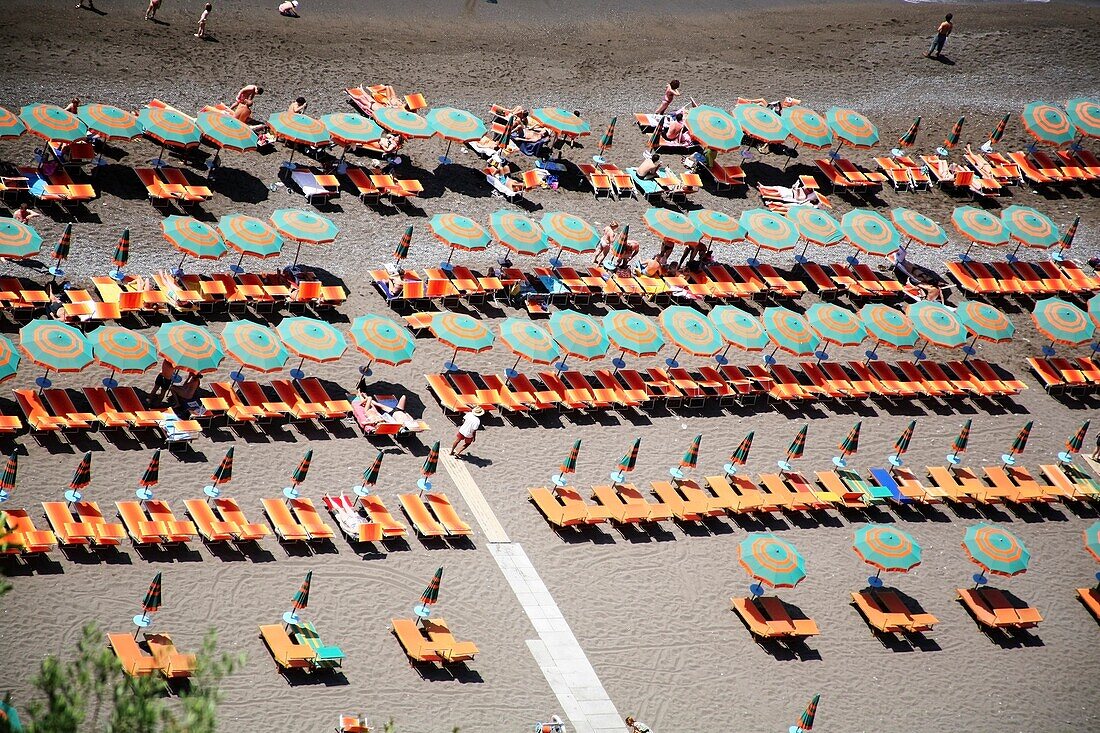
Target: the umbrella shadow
pixel 239 186
pixel 328 678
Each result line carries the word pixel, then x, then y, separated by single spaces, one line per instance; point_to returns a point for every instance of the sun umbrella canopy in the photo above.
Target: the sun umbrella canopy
pixel 918 227
pixel 1047 123
pixel 304 226
pixel 122 350
pixel 1092 540
pixel 910 136
pixel 851 127
pixel 55 346
pixel 456 124
pixel 888 325
pixel 169 127
pixel 461 332
pixel 739 328
pixel 560 120
pixel 578 335
pixel 122 250
pixel 608 135
pixel 671 225
pixel 226 132
pixel 690 330
pixel 52 123
pixel 815 226
pixel 193 237
pixel 716 226
pixel 1063 322
pixel 1085 115
pixel 996 550
pixel 154 596
pixel 1073 445
pixel 798 445
pixel 189 347
pixel 109 122
pixel 370 475
pixel 984 321
pixel 9 359
pixel 151 476
pixel 382 340
pixel 528 341
pixel 348 129
pixel 401 251
pixel 249 235
pixel 771 561
pixel 569 465
pixel 835 325
pixel 740 456
pixel 632 332
pixel 806 722
pixel 998 132
pixel 18 240
pixel 887 548
pixel 254 346
pixel 430 596
pixel 769 230
pixel 82 476
pixel 790 332
pixel 459 232
pixel 963 438
pixel 936 323
pixel 223 474
pixel 952 138
pixel 850 444
pixel 901 445
pixel 712 128
pixel 64 243
pixel 11 126
pixel 301 597
pixel 298 128
pixel 870 232
pixel 808 127
pixel 1030 228
pixel 518 233
pixel 1094 309
pixel 403 122
pixel 979 226
pixel 312 339
pixel 630 460
pixel 760 122
pixel 431 463
pixel 570 233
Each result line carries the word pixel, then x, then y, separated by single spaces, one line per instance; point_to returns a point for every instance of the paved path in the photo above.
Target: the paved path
pixel 570 675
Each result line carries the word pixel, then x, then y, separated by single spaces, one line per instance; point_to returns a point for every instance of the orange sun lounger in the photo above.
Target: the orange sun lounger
pixel 22 536
pixel 286 527
pixel 886 612
pixel 626 504
pixel 417 647
pixel 1091 598
pixel 431 641
pixel 209 526
pixel 767 618
pixel 171 663
pixel 445 512
pixel 68 529
pixel 310 519
pixel 991 608
pixel 422 520
pixel 687 501
pixel 135 661
pixel 142 529
pixel 243 530
pixel 286 653
pixel 738 494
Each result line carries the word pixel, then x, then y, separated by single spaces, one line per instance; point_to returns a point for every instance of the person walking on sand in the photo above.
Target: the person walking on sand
pixel 151 11
pixel 467 431
pixel 671 92
pixel 941 37
pixel 202 21
pixel 89 6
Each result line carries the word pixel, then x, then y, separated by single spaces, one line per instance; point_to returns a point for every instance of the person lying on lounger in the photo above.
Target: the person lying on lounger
pixel 796 194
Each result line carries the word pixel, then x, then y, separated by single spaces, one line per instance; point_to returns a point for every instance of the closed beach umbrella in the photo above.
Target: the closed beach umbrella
pixel 608 136
pixel 770 561
pixel 18 240
pixel 632 332
pixel 528 341
pixel 984 321
pixel 462 333
pixel 655 138
pixel 61 250
pixel 299 601
pixel 835 325
pixel 121 350
pixel 404 123
pixel 848 446
pixel 401 251
pixel 560 120
pixel 806 722
pixel 570 233
pixel 852 128
pixel 960 443
pixel 187 346
pixel 808 127
pixel 952 138
pixel 618 247
pixel 740 456
pixel 910 136
pixel 11 126
pixel 888 326
pixel 459 232
pixel 1073 445
pixel 671 226
pixel 690 331
pixel 1030 228
pixel 1019 445
pixel 310 338
pixel 250 236
pixel 789 331
pixel 917 227
pixel 456 124
pixel 122 253
pixel 629 461
pixel 382 340
pixel 299 476
pixel 1092 539
pixel 349 130
pixel 569 465
pixel 303 227
pixel 995 550
pixel 428 599
pixel 796 449
pixel 689 460
pixel 82 478
pixel 254 346
pixel 110 123
pixel 713 128
pixel 8 476
pixel 226 132
pixel 223 474
pixel 193 237
pixel 169 127
pixel 9 359
pixel 815 226
pixel 887 548
pixel 870 232
pixel 936 324
pixel 980 227
pixel 1062 322
pixel 50 122
pixel 151 477
pixel 578 335
pixel 151 603
pixel 298 128
pixel 1047 123
pixel 431 464
pixel 998 132
pixel 1068 235
pixel 1084 113
pixel 768 230
pixel 901 445
pixel 739 328
pixel 370 475
pixel 716 226
pixel 761 123
pixel 54 346
pixel 518 233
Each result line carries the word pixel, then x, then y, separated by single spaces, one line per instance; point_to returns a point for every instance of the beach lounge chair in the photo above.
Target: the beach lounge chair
pixel 175 530
pixel 170 662
pixel 128 401
pixel 314 184
pixel 564 507
pixel 309 518
pixel 1014 488
pixel 192 192
pixel 286 653
pixel 286 527
pixel 626 505
pixel 315 392
pixel 355 526
pixel 1072 481
pixel 104 533
pixel 142 529
pixel 785 496
pixel 1090 597
pixel 735 495
pixel 445 512
pixel 422 520
pixel 767 618
pixel 957 484
pixel 243 530
pixel 992 609
pixel 885 611
pixel 22 536
pixel 206 521
pixel 135 661
pixel 68 529
pixel 381 516
pixel 415 643
pixel 325 656
pixel 444 642
pixel 687 501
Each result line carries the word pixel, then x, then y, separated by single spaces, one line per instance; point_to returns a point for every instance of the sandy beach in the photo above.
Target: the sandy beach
pixel 649 609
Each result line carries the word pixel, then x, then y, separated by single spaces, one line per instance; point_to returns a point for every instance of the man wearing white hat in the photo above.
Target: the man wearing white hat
pixel 467 431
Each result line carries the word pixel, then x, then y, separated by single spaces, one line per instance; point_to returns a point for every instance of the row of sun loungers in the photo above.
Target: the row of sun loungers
pixel 155 654
pixel 168 186
pixel 431 641
pixel 1022 278
pixel 1062 375
pixel 54 411
pixel 56 187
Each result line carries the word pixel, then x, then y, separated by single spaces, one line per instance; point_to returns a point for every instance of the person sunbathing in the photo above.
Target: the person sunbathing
pixel 289 9
pixel 649 168
pixel 796 194
pixel 676 133
pixel 389 143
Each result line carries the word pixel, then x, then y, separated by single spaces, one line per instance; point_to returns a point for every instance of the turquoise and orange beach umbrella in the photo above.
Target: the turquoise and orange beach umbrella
pixel 382 340
pixel 11 127
pixel 739 328
pixel 9 359
pixel 870 232
pixel 187 346
pixel 716 225
pixel 462 333
pixel 807 127
pixel 770 561
pixel 984 321
pixel 851 128
pixel 632 332
pixel 835 325
pixel 768 230
pixel 431 464
pixel 300 600
pixel 713 128
pixel 761 123
pixel 671 226
pixel 806 722
pixel 848 446
pixel 17 240
pixel 110 123
pixel 901 445
pixel 454 124
pixel 936 324
pixel 50 122
pixel 430 596
pixel 250 236
pixel 889 326
pixel 739 456
pixel 960 443
pixel 518 233
pixel 789 331
pixel 404 123
pixel 995 550
pixel 1073 445
pixel 312 339
pixel 459 232
pixel 350 130
pixel 528 341
pixel 815 226
pixel 690 331
pixel 122 351
pixel 560 120
pixel 910 136
pixel 569 465
pixel 916 227
pixel 54 346
pixel 304 227
pixel 1062 322
pixel 226 132
pixel 193 237
pixel 1030 228
pixel 169 127
pixel 886 548
pixel 1048 123
pixel 299 129
pixel 254 346
pixel 578 335
pixel 1092 539
pixel 980 227
pixel 1084 113
pixel 570 233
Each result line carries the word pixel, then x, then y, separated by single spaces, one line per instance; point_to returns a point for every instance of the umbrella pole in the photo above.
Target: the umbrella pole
pixel 452 254
pixel 969 349
pixel 516 364
pixel 237 267
pixel 298 252
pixel 179 269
